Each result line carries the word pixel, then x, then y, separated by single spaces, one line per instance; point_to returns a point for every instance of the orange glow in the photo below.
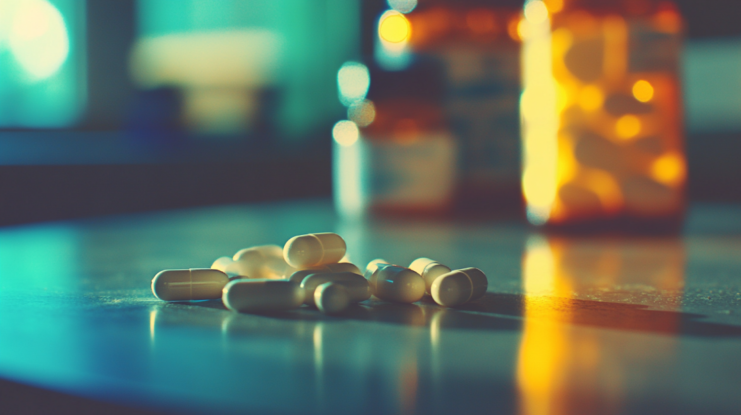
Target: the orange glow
pixel 627 126
pixel 668 21
pixel 615 30
pixel 513 28
pixel 587 140
pixel 544 344
pixel 668 169
pixel 395 28
pixel 554 6
pixel 591 98
pixel 481 21
pixel 522 29
pixel 643 91
pixel 570 283
pixel 406 128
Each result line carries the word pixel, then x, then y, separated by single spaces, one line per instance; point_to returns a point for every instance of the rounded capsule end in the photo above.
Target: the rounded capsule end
pixel 451 289
pixel 413 286
pixel 303 251
pixel 331 298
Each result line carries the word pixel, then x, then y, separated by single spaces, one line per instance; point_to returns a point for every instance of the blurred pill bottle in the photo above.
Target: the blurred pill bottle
pixel 602 133
pixel 477 45
pixel 394 154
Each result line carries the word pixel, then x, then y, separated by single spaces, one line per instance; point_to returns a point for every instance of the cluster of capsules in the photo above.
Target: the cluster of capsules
pixel 307 270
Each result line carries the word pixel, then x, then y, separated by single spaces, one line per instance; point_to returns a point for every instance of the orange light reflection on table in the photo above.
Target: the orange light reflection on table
pixel 564 368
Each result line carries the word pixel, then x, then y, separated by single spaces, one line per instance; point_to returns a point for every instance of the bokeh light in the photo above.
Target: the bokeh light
pixel 668 169
pixel 394 28
pixel 345 133
pixel 628 126
pixel 402 6
pixel 353 81
pixel 39 39
pixel 643 91
pixel 513 28
pixel 539 112
pixel 536 11
pixel 554 6
pixel 591 98
pixel 362 113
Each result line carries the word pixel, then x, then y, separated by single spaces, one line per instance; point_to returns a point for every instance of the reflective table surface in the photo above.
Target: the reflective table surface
pixel 569 325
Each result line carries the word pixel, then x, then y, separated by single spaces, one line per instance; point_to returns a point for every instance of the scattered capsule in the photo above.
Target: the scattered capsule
pixel 344 267
pixel 373 266
pixel 226 265
pixel 264 261
pixel 260 295
pixel 429 269
pixel 299 276
pixel 459 287
pixel 419 264
pixel 395 283
pixel 188 284
pixel 356 285
pixel 312 250
pixel 331 298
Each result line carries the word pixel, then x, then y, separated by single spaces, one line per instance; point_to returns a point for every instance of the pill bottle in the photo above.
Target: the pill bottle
pixel 477 45
pixel 601 114
pixel 395 155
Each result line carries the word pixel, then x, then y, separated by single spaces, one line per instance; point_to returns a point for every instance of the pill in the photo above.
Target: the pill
pixel 226 265
pixel 429 269
pixel 265 261
pixel 395 283
pixel 188 284
pixel 331 298
pixel 373 266
pixel 260 295
pixel 344 267
pixel 459 287
pixel 299 276
pixel 356 285
pixel 312 250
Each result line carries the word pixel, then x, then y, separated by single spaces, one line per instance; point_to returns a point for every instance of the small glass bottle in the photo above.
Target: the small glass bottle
pixel 394 155
pixel 602 134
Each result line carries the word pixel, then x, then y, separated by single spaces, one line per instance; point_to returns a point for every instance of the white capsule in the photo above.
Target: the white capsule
pixel 260 295
pixel 331 298
pixel 429 269
pixel 226 265
pixel 373 266
pixel 188 284
pixel 264 261
pixel 419 264
pixel 312 250
pixel 395 283
pixel 299 276
pixel 344 267
pixel 356 286
pixel 459 287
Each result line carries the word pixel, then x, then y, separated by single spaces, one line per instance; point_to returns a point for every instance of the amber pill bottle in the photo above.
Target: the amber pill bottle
pixel 601 114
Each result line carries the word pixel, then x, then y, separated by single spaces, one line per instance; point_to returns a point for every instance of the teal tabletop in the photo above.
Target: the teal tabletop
pixel 569 325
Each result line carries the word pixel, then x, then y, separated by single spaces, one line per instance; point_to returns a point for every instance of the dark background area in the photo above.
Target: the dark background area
pixel 42 179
